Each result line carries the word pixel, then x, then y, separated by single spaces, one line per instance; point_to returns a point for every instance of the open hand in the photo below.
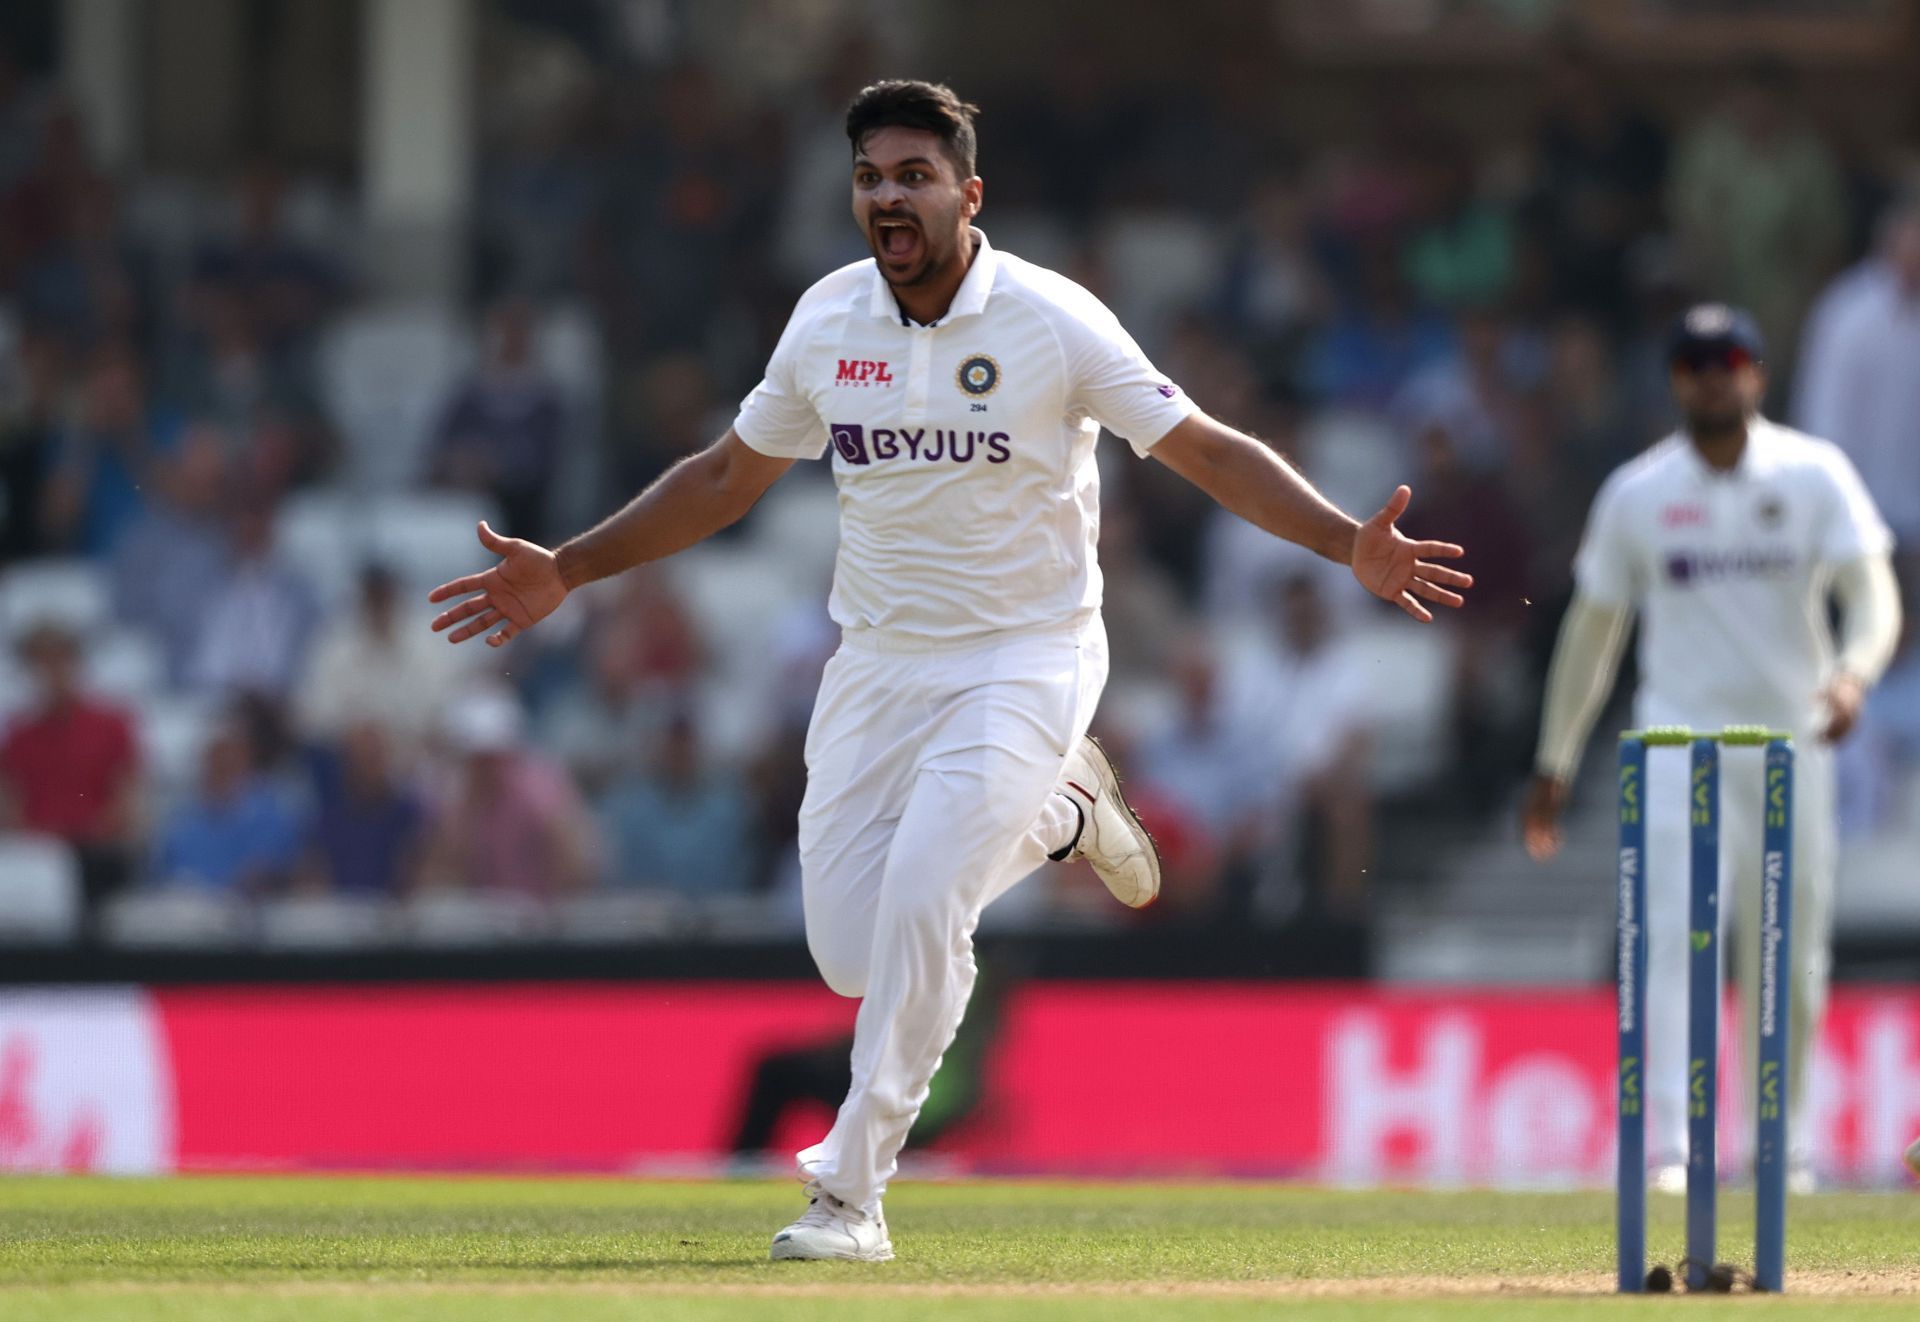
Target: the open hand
pixel 1398 569
pixel 516 594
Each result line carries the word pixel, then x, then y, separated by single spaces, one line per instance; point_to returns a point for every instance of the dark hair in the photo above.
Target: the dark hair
pixel 911 104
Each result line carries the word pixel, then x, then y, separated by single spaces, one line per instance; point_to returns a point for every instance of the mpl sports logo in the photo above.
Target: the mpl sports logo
pixel 863 372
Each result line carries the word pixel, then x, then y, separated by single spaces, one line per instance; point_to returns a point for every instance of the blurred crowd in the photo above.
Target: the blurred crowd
pixel 222 469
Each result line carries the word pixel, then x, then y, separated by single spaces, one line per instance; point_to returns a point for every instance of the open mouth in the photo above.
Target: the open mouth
pixel 897 240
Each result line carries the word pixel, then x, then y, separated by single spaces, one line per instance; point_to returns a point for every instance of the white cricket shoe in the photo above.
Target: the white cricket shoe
pixel 830 1228
pixel 1112 839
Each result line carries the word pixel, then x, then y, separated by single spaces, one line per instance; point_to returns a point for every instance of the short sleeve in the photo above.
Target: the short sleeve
pixel 1604 568
pixel 1853 527
pixel 1112 381
pixel 776 418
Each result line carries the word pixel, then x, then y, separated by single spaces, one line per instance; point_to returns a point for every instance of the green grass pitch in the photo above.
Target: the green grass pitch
pixel 584 1250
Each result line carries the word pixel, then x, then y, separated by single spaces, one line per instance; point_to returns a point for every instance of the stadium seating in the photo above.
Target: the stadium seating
pixel 39 890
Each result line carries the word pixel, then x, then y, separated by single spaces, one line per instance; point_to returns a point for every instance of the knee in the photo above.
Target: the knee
pixel 844 970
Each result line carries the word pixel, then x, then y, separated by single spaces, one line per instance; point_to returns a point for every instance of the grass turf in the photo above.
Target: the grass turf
pixel 583 1250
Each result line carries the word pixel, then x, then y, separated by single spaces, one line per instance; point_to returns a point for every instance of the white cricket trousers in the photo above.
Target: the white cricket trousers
pixel 1668 918
pixel 931 773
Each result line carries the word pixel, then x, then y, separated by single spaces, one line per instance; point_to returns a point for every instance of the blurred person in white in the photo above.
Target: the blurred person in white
pixel 175 553
pixel 503 431
pixel 1758 203
pixel 509 821
pixel 238 835
pixel 1859 379
pixel 1300 692
pixel 258 621
pixel 70 764
pixel 368 833
pixel 1728 537
pixel 960 392
pixel 683 824
pixel 365 666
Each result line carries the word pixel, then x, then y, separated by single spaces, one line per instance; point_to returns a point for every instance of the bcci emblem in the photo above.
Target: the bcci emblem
pixel 979 375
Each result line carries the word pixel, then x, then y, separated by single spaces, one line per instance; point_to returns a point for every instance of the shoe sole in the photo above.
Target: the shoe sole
pixel 1110 784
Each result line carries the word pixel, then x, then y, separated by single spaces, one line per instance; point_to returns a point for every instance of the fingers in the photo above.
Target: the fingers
pixel 1412 607
pixel 459 587
pixel 1443 550
pixel 506 635
pixel 453 615
pixel 1396 505
pixel 1421 588
pixel 492 540
pixel 479 626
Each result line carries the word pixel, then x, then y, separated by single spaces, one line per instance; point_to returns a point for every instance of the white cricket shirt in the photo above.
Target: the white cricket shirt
pixel 963 451
pixel 1730 572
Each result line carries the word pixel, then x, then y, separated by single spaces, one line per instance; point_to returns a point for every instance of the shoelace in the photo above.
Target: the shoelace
pixel 825 1210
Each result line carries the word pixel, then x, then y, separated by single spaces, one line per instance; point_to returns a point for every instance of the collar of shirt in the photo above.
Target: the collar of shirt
pixel 1746 467
pixel 968 301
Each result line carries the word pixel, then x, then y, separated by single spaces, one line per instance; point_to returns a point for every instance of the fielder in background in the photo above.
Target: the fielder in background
pixel 1727 538
pixel 958 392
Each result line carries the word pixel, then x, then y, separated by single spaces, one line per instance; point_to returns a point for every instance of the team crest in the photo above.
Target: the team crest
pixel 979 375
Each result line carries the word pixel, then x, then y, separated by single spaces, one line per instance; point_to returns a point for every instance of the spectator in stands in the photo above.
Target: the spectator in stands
pixel 258 621
pixel 106 460
pixel 1757 203
pixel 70 765
pixel 1460 252
pixel 1471 394
pixel 23 109
pixel 278 288
pixel 371 663
pixel 684 825
pixel 238 835
pixel 605 722
pixel 511 821
pixel 1377 340
pixel 30 390
pixel 502 432
pixel 369 830
pixel 1270 292
pixel 175 555
pixel 1598 166
pixel 1859 383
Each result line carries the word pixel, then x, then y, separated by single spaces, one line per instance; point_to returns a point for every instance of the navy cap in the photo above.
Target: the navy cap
pixel 1715 326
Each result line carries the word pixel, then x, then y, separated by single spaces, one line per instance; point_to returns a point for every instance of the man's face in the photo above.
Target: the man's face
pixel 1717 389
pixel 911 203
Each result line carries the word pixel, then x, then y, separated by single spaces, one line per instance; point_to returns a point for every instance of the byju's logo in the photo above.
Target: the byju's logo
pixel 862 372
pixel 1688 567
pixel 850 439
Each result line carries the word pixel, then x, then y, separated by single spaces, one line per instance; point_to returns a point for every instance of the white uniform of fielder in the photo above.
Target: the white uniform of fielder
pixel 971 660
pixel 1730 574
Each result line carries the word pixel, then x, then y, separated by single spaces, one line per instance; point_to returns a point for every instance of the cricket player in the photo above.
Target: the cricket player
pixel 1727 538
pixel 959 392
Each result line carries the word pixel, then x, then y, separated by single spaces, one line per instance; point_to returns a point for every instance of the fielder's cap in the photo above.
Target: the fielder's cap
pixel 1706 326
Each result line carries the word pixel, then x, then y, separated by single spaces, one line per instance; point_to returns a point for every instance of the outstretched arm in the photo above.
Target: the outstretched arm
pixel 694 499
pixel 1252 481
pixel 1585 660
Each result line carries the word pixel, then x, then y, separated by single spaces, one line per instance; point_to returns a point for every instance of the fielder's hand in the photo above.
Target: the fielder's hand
pixel 1843 698
pixel 516 594
pixel 1540 818
pixel 1398 569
